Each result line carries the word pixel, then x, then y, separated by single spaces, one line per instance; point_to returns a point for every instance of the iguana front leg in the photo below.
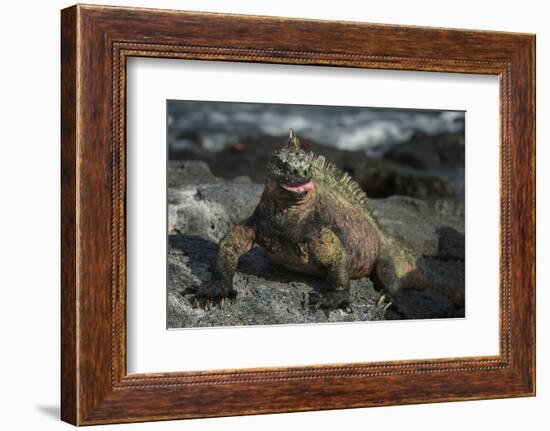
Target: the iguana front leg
pixel 328 252
pixel 233 245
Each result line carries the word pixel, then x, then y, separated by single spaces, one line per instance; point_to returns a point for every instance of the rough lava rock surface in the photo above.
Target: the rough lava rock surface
pixel 201 209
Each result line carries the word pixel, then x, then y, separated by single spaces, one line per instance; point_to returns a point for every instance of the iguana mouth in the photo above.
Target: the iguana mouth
pixel 298 188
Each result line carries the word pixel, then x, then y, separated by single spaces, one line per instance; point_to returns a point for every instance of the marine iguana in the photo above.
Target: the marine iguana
pixel 313 219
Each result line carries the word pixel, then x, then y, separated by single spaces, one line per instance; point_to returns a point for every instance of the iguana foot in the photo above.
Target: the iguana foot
pixel 383 303
pixel 338 299
pixel 216 293
pixel 327 301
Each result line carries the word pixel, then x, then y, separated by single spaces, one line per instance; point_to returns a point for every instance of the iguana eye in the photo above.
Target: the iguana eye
pixel 277 162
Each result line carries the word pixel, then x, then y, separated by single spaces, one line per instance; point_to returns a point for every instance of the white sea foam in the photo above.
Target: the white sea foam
pixel 218 124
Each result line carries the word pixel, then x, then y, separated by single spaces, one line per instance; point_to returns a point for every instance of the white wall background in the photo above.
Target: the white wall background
pixel 29 216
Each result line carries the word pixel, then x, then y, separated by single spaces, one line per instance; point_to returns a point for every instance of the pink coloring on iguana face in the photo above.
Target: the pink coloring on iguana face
pixel 298 188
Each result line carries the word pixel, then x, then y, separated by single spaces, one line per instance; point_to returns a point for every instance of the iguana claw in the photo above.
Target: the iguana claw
pixel 215 293
pixel 327 301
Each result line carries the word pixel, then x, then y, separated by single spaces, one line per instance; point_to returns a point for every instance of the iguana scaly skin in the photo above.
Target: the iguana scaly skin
pixel 313 219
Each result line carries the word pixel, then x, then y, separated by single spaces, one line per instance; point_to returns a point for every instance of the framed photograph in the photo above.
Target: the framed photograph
pixel 265 214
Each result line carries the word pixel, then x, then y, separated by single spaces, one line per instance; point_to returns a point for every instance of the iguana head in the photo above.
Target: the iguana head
pixel 289 169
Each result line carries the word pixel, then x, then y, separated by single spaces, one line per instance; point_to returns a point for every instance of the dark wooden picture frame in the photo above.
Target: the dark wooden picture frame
pixel 96 41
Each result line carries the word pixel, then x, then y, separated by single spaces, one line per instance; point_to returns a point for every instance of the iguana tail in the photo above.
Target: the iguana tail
pixel 397 268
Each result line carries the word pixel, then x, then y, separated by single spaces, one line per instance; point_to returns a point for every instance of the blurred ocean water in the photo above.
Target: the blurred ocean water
pixel 216 125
